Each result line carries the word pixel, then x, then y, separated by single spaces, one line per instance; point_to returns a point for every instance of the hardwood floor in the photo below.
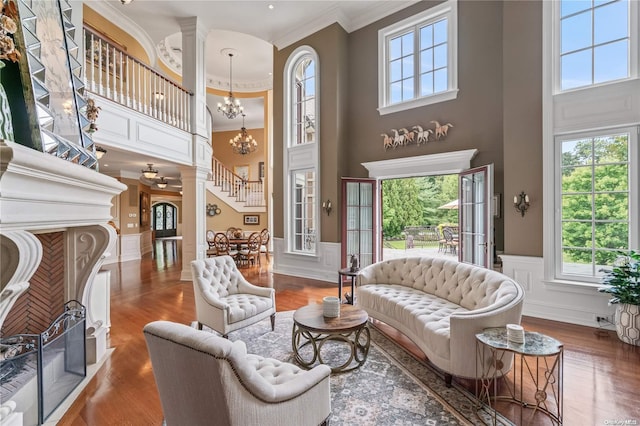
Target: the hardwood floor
pixel 601 374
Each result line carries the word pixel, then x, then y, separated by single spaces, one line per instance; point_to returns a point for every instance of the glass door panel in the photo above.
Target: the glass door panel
pixel 476 220
pixel 359 220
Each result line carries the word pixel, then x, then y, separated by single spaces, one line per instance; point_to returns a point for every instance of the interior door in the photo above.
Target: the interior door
pixel 475 235
pixel 359 220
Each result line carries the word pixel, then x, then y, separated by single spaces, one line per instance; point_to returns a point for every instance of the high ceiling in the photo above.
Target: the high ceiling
pixel 250 28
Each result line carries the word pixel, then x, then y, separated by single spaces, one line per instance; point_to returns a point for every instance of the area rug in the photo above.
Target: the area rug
pixel 391 388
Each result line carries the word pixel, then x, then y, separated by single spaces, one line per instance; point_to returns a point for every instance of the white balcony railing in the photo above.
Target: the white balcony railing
pixel 111 73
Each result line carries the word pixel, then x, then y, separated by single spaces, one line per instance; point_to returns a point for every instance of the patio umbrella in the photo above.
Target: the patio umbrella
pixel 450 205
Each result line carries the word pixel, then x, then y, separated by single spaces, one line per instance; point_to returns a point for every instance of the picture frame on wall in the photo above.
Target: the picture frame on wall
pixel 251 219
pixel 242 172
pixel 144 209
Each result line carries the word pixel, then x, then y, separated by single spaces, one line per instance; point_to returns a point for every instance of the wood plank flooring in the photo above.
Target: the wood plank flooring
pixel 601 374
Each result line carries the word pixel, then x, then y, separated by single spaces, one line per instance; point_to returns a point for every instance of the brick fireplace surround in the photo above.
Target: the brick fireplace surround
pixel 54 237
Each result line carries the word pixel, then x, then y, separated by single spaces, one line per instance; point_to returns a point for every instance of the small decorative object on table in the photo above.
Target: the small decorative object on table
pixel 355 263
pixel 331 307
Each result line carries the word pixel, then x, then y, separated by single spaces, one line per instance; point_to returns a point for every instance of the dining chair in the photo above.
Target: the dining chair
pixel 452 243
pixel 442 242
pixel 223 247
pixel 211 251
pixel 251 251
pixel 265 236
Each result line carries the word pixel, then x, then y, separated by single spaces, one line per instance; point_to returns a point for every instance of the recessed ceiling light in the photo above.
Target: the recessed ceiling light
pixel 105 165
pixel 270 73
pixel 271 7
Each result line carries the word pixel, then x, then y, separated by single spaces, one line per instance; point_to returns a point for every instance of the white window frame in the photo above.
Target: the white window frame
pixel 448 10
pixel 588 109
pixel 634 46
pixel 303 157
pixel 633 190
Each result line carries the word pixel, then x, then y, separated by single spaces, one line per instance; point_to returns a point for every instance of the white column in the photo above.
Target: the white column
pixel 194 36
pixel 194 244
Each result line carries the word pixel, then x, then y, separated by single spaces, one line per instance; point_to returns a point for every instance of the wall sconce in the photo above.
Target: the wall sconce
pixel 326 206
pixel 521 202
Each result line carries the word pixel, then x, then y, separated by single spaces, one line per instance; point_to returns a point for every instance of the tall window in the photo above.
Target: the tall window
pixel 595 184
pixel 304 102
pixel 595 42
pixel 304 208
pixel 418 59
pixel 301 155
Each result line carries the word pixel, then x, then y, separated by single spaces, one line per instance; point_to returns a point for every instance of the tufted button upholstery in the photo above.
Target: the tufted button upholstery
pixel 204 379
pixel 440 304
pixel 225 300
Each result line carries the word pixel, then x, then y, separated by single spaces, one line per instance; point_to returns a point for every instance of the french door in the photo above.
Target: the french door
pixel 164 220
pixel 360 211
pixel 475 239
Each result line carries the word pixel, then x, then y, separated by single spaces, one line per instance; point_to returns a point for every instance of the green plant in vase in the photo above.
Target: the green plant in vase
pixel 622 282
pixel 8 51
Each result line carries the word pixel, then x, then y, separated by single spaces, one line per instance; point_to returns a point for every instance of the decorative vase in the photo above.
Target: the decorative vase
pixel 6 124
pixel 628 323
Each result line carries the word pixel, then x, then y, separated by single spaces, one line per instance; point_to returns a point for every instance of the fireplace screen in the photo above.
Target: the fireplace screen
pixel 44 367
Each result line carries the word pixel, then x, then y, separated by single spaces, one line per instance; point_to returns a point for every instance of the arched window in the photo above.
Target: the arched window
pixel 301 158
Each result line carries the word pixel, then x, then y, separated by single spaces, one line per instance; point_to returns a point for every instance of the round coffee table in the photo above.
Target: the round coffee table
pixel 311 328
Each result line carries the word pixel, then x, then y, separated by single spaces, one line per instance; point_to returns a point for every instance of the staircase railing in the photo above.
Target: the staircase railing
pixel 112 73
pixel 249 192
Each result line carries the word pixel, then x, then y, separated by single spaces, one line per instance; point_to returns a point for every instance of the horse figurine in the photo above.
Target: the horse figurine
pixel 423 135
pixel 441 130
pixel 387 141
pixel 408 136
pixel 355 263
pixel 398 139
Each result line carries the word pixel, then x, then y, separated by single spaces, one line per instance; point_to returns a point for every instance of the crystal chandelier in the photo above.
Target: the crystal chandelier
pixel 231 107
pixel 243 143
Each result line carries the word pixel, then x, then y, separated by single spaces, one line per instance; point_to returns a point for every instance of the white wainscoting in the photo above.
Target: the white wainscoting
pixel 146 242
pixel 566 302
pixel 323 267
pixel 130 247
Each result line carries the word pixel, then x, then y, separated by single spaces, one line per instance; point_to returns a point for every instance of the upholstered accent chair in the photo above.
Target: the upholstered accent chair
pixel 225 300
pixel 204 379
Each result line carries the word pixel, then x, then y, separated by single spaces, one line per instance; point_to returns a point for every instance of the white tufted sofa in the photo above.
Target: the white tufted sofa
pixel 440 304
pixel 204 379
pixel 225 300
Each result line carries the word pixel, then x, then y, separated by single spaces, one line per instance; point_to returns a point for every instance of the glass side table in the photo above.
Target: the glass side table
pixel 538 360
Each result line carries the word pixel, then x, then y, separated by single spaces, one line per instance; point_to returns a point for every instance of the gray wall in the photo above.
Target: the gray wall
pixel 497 111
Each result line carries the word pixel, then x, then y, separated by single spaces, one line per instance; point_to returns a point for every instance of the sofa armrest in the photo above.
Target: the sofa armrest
pixel 366 275
pixel 465 325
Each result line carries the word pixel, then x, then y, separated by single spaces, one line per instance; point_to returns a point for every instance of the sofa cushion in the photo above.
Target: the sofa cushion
pixel 242 306
pixel 425 315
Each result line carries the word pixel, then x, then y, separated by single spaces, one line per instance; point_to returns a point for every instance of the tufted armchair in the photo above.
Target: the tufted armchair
pixel 204 379
pixel 225 300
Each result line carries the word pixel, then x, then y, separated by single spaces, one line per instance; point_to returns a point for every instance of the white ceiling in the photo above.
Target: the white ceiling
pixel 250 28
